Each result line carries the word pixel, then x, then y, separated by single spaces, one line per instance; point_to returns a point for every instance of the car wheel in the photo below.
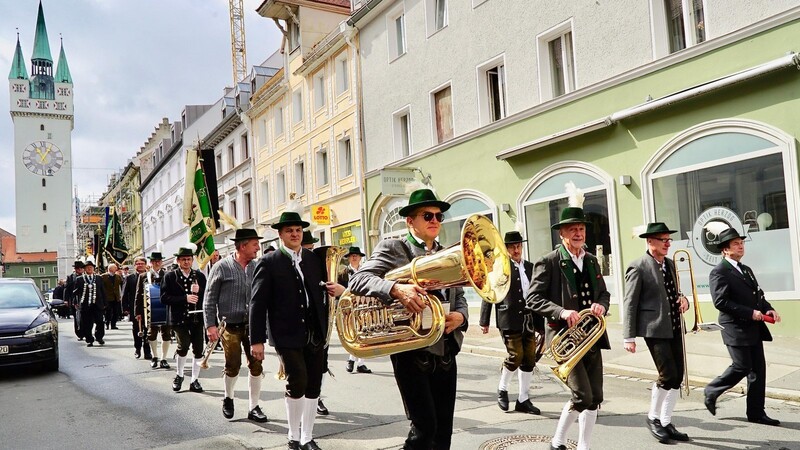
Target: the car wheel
pixel 51 366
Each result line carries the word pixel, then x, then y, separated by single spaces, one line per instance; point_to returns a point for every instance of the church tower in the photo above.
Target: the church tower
pixel 42 112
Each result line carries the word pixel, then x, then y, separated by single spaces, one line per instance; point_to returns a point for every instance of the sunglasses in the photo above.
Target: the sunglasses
pixel 664 240
pixel 428 216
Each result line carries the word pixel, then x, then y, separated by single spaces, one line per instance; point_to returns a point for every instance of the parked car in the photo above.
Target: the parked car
pixel 28 326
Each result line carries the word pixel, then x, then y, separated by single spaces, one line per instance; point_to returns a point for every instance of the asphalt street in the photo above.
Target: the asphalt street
pixel 103 398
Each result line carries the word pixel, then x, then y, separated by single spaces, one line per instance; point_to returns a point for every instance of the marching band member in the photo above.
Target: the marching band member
pixel 566 281
pixel 652 309
pixel 354 257
pixel 427 377
pixel 128 299
pixel 182 291
pixel 517 327
pixel 154 275
pixel 90 294
pixel 288 307
pixel 69 296
pixel 227 295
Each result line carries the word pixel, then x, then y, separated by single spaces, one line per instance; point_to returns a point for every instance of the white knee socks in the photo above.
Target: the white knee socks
pixel 254 389
pixel 566 420
pixel 505 377
pixel 307 425
pixel 294 414
pixel 524 384
pixel 180 365
pixel 164 349
pixel 153 351
pixel 195 368
pixel 657 396
pixel 229 382
pixel 586 421
pixel 669 404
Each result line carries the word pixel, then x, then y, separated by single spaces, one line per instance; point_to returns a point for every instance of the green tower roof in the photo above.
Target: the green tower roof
pixel 41 47
pixel 62 71
pixel 18 71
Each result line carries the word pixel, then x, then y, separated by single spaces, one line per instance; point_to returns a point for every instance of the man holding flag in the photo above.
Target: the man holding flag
pixel 197 208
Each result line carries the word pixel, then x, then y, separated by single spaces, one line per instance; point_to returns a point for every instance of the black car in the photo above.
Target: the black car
pixel 28 327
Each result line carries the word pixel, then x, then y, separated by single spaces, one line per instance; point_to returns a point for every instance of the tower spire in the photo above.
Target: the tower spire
pixel 18 71
pixel 41 62
pixel 41 45
pixel 62 70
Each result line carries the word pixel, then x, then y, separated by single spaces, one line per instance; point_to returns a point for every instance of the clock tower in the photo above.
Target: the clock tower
pixel 42 112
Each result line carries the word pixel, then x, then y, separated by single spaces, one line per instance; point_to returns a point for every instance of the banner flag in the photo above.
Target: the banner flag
pixel 197 212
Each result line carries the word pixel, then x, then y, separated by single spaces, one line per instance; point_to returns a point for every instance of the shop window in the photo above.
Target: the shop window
pixel 459 212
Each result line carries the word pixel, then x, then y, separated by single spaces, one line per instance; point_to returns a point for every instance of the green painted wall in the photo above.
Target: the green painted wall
pixel 15 270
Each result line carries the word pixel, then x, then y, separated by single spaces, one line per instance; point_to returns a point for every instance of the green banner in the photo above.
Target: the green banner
pixel 197 209
pixel 114 245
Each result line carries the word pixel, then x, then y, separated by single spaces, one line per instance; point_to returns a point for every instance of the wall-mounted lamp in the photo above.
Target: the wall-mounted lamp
pixel 505 207
pixel 625 180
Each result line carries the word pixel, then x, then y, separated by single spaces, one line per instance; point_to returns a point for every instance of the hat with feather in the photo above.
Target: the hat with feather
pixel 242 234
pixel 157 255
pixel 291 215
pixel 724 233
pixel 573 213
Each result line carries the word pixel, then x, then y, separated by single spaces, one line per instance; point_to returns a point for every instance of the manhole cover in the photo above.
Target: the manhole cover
pixel 521 441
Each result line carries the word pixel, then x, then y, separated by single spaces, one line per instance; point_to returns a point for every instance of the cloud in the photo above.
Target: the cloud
pixel 132 63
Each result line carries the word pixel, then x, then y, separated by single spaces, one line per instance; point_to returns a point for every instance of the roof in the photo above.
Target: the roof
pixel 41 47
pixel 10 255
pixel 18 71
pixel 344 3
pixel 62 71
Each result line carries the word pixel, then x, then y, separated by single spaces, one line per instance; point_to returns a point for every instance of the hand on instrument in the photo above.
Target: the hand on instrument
pixel 598 309
pixel 485 329
pixel 410 296
pixel 684 304
pixel 138 317
pixel 630 347
pixel 334 289
pixel 571 316
pixel 757 315
pixel 257 350
pixel 774 315
pixel 192 299
pixel 212 333
pixel 452 321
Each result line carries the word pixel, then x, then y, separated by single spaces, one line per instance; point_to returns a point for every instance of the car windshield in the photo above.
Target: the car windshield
pixel 19 296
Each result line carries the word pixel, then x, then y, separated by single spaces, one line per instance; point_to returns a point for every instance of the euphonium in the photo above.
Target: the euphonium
pixel 368 327
pixel 571 344
pixel 331 255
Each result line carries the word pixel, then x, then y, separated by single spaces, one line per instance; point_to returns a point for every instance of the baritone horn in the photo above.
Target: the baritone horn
pixel 331 255
pixel 368 327
pixel 570 345
pixel 213 344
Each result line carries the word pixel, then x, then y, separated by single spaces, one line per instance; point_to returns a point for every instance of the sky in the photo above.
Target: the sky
pixel 132 62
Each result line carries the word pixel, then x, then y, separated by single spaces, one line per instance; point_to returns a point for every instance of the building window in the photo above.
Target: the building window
pixel 218 160
pixel 556 61
pixel 247 206
pixel 26 270
pixel 278 122
pixel 322 166
pixel 280 188
pixel 297 106
pixel 319 91
pixel 492 90
pixel 345 158
pixel 245 147
pixel 300 178
pixel 443 114
pixel 436 15
pixel 41 270
pixel 44 229
pixel 55 269
pixel 44 182
pixel 232 209
pixel 395 23
pixel 265 204
pixel 41 127
pixel 45 285
pixel 294 36
pixel 740 174
pixel 402 132
pixel 342 74
pixel 685 23
pixel 231 158
pixel 44 206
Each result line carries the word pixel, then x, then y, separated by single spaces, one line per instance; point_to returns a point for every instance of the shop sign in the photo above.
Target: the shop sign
pixel 321 214
pixel 394 181
pixel 347 235
pixel 705 241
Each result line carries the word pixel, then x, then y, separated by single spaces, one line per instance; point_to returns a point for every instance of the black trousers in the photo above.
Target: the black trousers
pixel 748 361
pixel 190 334
pixel 77 322
pixel 92 316
pixel 154 330
pixel 521 348
pixel 138 341
pixel 668 356
pixel 586 381
pixel 427 385
pixel 303 367
pixel 113 313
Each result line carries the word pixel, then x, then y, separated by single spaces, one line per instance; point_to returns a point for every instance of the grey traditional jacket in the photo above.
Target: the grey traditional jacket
pixel 645 306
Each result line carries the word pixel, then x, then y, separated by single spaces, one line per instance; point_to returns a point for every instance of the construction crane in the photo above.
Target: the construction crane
pixel 238 51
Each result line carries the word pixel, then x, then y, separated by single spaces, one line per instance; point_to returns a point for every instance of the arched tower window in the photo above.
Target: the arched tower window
pixel 41 127
pixel 44 228
pixel 44 182
pixel 44 206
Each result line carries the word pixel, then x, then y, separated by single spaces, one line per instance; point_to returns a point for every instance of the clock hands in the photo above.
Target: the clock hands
pixel 45 153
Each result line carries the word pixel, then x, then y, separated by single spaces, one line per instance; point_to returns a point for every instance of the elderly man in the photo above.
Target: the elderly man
pixel 92 298
pixel 112 284
pixel 426 378
pixel 128 296
pixel 743 309
pixel 566 281
pixel 653 307
pixel 69 296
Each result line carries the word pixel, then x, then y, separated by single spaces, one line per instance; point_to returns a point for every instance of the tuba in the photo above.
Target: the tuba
pixel 571 344
pixel 368 327
pixel 331 255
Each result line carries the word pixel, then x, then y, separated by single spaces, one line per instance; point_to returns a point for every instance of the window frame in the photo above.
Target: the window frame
pixel 432 17
pixel 322 165
pixel 485 105
pixel 299 176
pixel 397 132
pixel 297 107
pixel 320 97
pixel 342 152
pixel 396 38
pixel 659 27
pixel 281 195
pixel 342 73
pixel 545 60
pixel 434 121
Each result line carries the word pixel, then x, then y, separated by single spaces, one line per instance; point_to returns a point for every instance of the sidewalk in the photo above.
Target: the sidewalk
pixel 707 357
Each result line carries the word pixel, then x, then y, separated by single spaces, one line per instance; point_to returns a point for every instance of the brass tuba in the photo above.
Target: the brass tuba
pixel 331 255
pixel 368 327
pixel 571 344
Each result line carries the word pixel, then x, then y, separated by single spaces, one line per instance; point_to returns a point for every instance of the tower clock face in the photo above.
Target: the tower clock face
pixel 43 158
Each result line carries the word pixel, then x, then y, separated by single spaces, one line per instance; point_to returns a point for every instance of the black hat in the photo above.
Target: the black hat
pixel 308 238
pixel 156 256
pixel 185 251
pixel 78 264
pixel 289 218
pixel 570 215
pixel 727 236
pixel 513 237
pixel 354 251
pixel 422 197
pixel 243 234
pixel 656 228
pixel 89 261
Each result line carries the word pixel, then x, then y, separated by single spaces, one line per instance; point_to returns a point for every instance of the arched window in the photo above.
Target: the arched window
pixel 44 182
pixel 44 206
pixel 44 228
pixel 393 225
pixel 462 205
pixel 743 174
pixel 41 127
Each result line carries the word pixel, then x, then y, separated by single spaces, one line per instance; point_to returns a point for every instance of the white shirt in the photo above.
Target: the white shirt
pixel 523 277
pixel 735 264
pixel 297 258
pixel 578 259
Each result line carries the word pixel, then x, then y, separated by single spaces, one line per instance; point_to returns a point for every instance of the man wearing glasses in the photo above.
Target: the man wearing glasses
pixel 426 377
pixel 653 306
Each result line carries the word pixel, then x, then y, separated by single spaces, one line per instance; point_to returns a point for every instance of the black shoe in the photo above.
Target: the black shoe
pixel 294 445
pixel 80 338
pixel 350 365
pixel 256 415
pixel 526 407
pixel 195 386
pixel 310 445
pixel 164 364
pixel 711 404
pixel 502 400
pixel 137 354
pixel 177 383
pixel 764 420
pixel 675 434
pixel 658 431
pixel 90 344
pixel 101 342
pixel 363 369
pixel 321 409
pixel 154 363
pixel 227 407
pixel 107 325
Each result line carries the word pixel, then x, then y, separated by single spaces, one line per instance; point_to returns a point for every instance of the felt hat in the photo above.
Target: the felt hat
pixel 243 234
pixel 656 228
pixel 513 237
pixel 422 197
pixel 289 218
pixel 354 251
pixel 308 238
pixel 727 236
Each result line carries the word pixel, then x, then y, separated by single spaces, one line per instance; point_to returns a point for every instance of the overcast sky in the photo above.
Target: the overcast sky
pixel 132 63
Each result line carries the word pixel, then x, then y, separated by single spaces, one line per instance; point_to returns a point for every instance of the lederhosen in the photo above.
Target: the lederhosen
pixel 668 353
pixel 188 327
